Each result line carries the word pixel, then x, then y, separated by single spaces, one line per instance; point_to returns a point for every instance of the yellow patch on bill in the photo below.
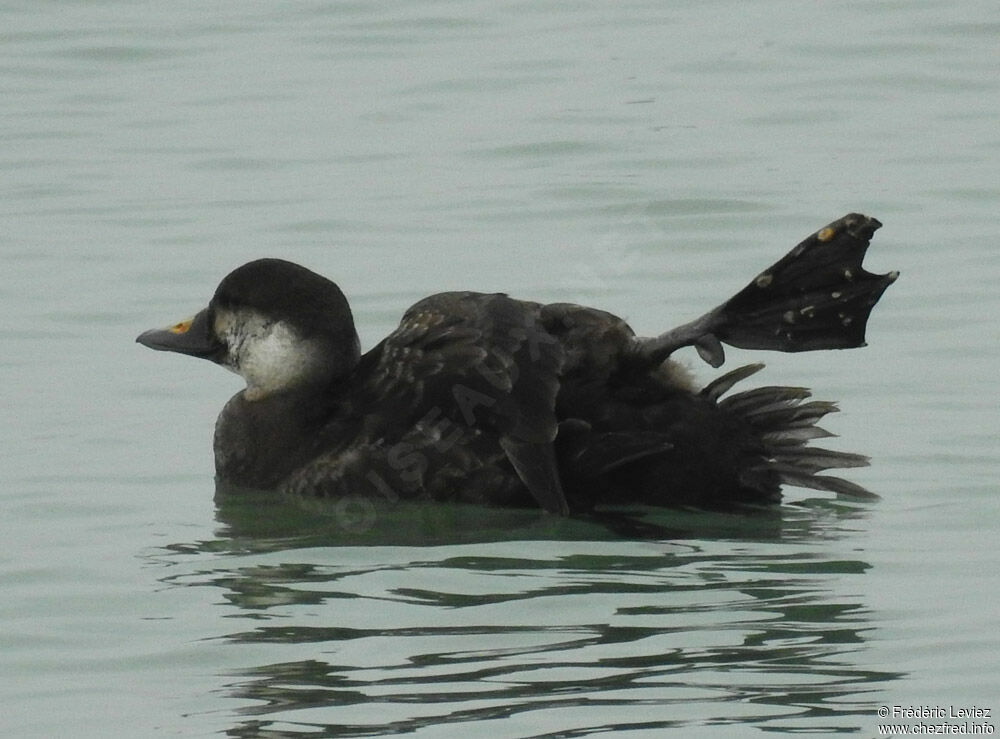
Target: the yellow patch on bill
pixel 182 327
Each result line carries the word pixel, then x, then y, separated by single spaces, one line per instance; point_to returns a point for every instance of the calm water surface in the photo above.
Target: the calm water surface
pixel 646 158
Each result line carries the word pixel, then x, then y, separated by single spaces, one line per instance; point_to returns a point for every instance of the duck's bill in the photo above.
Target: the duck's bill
pixel 191 336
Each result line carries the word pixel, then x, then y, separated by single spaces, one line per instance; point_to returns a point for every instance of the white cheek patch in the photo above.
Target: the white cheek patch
pixel 270 355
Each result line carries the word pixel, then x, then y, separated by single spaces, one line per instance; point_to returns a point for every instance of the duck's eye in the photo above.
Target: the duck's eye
pixel 181 328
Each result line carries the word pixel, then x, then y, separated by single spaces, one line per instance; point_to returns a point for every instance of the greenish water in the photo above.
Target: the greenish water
pixel 537 625
pixel 647 159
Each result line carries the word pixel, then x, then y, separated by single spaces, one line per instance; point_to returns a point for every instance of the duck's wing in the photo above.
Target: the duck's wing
pixel 485 363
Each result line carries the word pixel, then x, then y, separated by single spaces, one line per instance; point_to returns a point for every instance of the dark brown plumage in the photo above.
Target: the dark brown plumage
pixel 486 399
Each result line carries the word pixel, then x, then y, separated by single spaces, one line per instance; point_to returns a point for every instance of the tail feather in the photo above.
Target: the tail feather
pixel 843 488
pixel 786 421
pixel 816 460
pixel 795 414
pixel 765 399
pixel 724 383
pixel 795 436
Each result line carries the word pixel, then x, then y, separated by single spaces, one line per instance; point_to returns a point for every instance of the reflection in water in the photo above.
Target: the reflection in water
pixel 569 630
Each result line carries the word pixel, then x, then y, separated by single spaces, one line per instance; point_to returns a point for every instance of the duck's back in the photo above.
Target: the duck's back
pixel 471 385
pixel 448 405
pixel 636 432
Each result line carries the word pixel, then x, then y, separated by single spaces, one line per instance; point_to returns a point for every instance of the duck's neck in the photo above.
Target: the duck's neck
pixel 259 442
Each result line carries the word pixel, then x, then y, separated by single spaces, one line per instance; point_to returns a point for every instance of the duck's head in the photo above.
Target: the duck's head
pixel 276 324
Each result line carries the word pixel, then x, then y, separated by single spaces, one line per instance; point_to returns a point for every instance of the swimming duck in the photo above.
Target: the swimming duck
pixel 486 399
